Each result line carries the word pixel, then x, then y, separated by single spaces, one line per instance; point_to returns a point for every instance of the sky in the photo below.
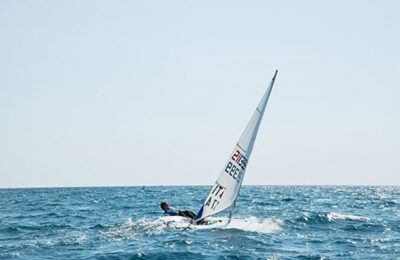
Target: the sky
pixel 121 93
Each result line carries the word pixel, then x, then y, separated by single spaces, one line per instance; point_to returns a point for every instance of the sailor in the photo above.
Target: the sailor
pixel 183 213
pixel 173 212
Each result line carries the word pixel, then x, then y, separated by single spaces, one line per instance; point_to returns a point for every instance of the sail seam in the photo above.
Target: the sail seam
pixel 240 147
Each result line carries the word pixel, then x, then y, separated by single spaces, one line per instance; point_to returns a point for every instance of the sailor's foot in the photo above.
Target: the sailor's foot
pixel 202 222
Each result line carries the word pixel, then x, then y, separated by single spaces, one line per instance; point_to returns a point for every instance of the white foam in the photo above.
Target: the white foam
pixel 254 224
pixel 10 254
pixel 160 225
pixel 337 216
pixel 142 225
pixel 323 200
pixel 351 241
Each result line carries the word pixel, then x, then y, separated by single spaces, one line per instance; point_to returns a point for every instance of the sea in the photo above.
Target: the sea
pixel 269 222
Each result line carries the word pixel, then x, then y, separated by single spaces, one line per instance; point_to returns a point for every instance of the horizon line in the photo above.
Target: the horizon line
pixel 198 185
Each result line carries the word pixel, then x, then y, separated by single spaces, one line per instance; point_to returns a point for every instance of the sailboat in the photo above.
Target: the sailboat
pixel 225 191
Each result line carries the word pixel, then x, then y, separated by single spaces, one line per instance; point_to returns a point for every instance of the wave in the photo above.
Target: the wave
pixel 287 199
pixel 131 229
pixel 338 216
pixel 10 254
pixel 251 224
pixel 146 227
pixel 324 218
pixel 161 225
pixel 254 224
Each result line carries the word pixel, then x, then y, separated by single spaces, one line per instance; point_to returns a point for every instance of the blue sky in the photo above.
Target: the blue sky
pixel 158 92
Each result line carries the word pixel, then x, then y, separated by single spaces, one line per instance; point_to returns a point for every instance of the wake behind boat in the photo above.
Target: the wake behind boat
pixel 225 191
pixel 185 222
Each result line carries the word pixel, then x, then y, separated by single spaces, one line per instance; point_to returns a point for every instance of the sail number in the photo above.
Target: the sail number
pixel 215 196
pixel 240 159
pixel 233 170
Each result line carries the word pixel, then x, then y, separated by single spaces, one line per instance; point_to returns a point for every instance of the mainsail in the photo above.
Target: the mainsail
pixel 226 189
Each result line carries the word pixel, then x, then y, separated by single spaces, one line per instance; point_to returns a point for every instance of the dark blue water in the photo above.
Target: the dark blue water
pixel 270 222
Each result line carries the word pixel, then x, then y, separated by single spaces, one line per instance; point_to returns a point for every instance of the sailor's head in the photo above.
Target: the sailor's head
pixel 164 206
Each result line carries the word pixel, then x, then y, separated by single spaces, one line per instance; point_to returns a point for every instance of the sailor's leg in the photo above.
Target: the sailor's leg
pixel 189 214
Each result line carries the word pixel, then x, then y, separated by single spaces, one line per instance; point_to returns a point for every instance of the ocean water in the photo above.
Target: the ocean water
pixel 270 222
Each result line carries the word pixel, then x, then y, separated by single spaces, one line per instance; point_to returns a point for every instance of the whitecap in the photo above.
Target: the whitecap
pixel 338 216
pixel 351 241
pixel 12 254
pixel 254 224
pixel 323 200
pixel 383 195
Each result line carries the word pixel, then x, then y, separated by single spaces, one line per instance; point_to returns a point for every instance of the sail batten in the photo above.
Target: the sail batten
pixel 226 189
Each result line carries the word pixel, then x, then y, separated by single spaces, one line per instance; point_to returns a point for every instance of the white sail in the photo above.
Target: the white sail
pixel 226 189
